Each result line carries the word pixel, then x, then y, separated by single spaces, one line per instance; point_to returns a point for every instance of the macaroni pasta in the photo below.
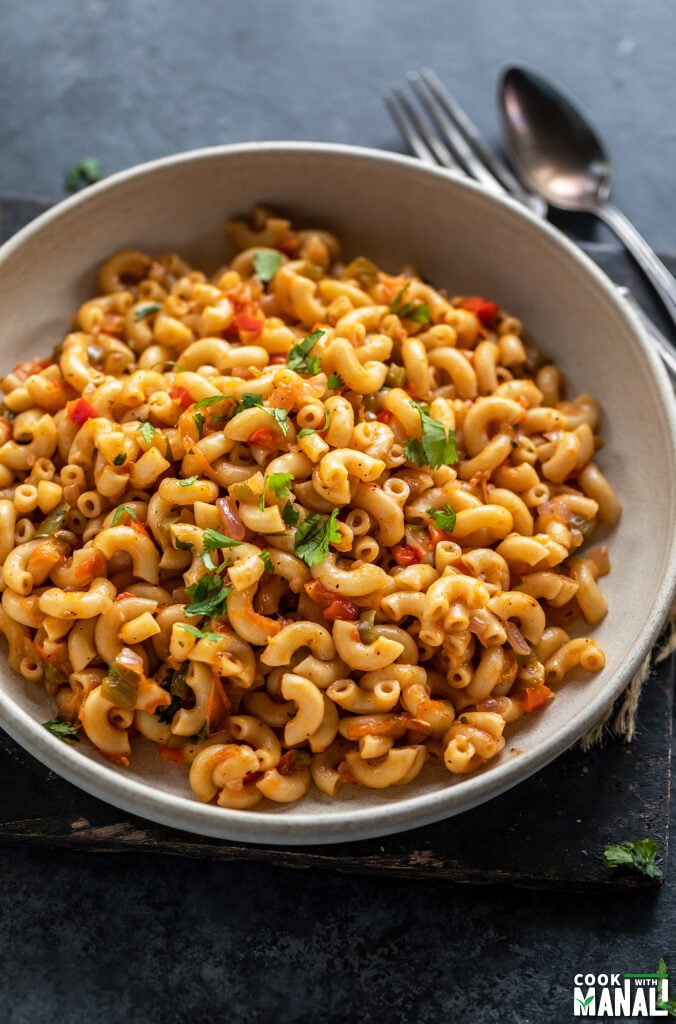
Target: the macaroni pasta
pixel 299 522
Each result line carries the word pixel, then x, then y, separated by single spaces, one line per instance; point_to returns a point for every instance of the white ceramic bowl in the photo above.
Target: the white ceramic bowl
pixel 394 210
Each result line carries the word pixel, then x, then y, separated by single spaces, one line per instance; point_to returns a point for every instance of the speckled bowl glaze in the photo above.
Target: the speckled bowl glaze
pixel 394 210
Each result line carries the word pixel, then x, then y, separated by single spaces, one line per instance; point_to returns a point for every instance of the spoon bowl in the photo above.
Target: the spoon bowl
pixel 559 155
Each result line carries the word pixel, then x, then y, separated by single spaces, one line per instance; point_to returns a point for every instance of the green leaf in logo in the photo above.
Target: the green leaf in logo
pixel 585 1002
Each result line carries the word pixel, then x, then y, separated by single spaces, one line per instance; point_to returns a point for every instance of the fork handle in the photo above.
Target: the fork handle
pixel 656 272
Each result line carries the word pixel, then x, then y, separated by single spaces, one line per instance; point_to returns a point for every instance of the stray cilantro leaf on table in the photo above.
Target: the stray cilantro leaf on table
pixel 299 358
pixel 266 265
pixel 85 173
pixel 443 518
pixel 639 856
pixel 435 447
pixel 62 730
pixel 314 535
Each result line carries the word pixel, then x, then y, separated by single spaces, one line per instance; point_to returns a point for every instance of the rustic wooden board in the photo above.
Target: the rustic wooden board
pixel 548 832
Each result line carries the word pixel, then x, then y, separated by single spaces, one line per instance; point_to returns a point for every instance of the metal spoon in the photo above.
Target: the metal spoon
pixel 559 155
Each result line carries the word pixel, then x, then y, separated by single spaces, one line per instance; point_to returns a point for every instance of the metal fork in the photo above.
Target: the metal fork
pixel 451 139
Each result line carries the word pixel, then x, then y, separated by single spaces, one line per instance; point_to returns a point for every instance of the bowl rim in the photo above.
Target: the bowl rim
pixel 346 823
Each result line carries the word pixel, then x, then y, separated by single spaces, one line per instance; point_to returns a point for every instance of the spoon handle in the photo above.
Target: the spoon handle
pixel 658 275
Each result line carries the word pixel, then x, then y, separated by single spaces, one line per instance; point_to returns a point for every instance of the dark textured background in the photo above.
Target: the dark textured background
pixel 144 939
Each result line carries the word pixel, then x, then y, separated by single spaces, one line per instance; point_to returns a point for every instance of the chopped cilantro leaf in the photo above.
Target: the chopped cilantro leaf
pixel 279 415
pixel 120 511
pixel 317 430
pixel 267 561
pixel 211 400
pixel 266 265
pixel 279 484
pixel 200 633
pixel 207 596
pixel 419 312
pixel 189 481
pixel 62 730
pixel 290 515
pixel 141 312
pixel 200 419
pixel 299 358
pixel 212 539
pixel 85 173
pixel 148 431
pixel 182 545
pixel 435 448
pixel 335 381
pixel 314 535
pixel 443 518
pixel 640 856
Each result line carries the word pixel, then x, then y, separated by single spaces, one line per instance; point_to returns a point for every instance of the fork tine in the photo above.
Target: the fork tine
pixel 498 167
pixel 423 142
pixel 437 113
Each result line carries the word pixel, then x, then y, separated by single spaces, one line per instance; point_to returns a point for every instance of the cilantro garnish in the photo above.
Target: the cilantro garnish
pixel 266 265
pixel 85 173
pixel 443 518
pixel 335 381
pixel 267 561
pixel 207 596
pixel 299 358
pixel 212 539
pixel 148 431
pixel 640 856
pixel 120 459
pixel 290 515
pixel 200 633
pixel 279 484
pixel 62 730
pixel 315 430
pixel 189 481
pixel 141 312
pixel 211 400
pixel 314 535
pixel 120 511
pixel 435 448
pixel 419 312
pixel 199 419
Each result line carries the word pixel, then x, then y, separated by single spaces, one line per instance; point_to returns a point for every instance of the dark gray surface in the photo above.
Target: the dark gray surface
pixel 121 938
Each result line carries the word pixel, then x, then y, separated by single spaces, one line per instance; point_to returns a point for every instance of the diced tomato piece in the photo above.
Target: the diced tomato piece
pixel 218 706
pixel 385 416
pixel 484 309
pixel 407 554
pixel 25 370
pixel 182 396
pixel 170 753
pixel 341 608
pixel 244 322
pixel 264 438
pixel 93 565
pixel 436 534
pixel 80 410
pixel 318 593
pixel 535 697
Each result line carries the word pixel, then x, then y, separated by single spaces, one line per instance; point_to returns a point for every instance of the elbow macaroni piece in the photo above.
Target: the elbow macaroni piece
pixel 244 486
